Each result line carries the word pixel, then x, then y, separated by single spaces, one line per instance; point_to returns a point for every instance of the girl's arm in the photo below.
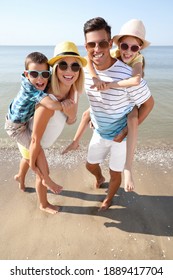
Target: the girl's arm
pixel 41 119
pixel 51 104
pixel 99 84
pixel 133 81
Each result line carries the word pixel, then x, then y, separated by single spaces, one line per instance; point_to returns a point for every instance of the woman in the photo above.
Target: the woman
pixel 67 82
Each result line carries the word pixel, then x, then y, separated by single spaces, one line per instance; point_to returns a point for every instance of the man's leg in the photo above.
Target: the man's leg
pixel 96 171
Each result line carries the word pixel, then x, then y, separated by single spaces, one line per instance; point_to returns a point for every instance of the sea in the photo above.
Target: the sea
pixel 155 135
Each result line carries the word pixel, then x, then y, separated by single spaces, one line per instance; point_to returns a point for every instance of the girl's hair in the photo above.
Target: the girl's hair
pixel 79 84
pixel 36 57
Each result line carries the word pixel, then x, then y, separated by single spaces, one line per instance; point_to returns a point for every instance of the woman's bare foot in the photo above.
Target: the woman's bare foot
pixel 128 181
pixel 21 182
pixel 52 186
pixel 49 208
pixel 105 204
pixel 73 146
pixel 98 183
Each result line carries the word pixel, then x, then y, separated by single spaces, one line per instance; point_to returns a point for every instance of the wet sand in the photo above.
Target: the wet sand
pixel 138 225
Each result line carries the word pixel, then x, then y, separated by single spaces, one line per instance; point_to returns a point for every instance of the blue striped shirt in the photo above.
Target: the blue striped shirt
pixel 109 108
pixel 22 108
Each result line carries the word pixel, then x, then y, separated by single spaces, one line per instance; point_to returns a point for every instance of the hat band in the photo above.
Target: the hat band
pixel 68 53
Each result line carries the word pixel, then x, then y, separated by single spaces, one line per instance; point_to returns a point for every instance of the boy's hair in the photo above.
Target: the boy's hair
pixel 97 23
pixel 36 57
pixel 79 84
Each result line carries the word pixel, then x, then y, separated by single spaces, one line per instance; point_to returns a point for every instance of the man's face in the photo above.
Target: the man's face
pixel 98 47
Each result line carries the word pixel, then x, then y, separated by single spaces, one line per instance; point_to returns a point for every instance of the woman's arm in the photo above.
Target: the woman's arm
pixel 51 104
pixel 41 119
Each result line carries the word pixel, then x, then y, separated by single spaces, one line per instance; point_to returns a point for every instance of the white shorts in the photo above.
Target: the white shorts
pixel 99 148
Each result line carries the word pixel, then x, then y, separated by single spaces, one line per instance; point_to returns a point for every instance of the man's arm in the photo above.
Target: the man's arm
pixel 145 109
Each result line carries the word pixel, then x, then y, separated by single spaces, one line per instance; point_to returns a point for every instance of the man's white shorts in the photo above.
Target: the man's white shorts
pixel 99 148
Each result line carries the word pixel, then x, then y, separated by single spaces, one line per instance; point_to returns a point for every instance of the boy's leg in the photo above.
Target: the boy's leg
pixel 44 205
pixel 42 165
pixel 132 124
pixel 20 177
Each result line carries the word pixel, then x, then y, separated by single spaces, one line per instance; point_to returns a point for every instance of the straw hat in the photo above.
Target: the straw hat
pixel 133 27
pixel 66 49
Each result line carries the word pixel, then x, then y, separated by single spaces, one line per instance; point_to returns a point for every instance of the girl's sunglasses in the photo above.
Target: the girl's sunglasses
pixel 63 66
pixel 133 48
pixel 34 74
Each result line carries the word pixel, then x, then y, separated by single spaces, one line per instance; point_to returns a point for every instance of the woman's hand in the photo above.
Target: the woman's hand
pixel 69 108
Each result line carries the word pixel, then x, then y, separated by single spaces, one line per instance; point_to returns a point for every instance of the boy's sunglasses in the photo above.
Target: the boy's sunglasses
pixel 133 48
pixel 102 44
pixel 34 74
pixel 63 66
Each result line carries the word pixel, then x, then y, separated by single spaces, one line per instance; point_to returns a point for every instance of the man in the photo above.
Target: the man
pixel 109 109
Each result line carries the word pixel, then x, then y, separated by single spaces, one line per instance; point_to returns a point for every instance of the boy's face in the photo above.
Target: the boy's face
pixel 39 82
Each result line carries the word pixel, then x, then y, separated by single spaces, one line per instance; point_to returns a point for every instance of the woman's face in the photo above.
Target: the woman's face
pixel 68 70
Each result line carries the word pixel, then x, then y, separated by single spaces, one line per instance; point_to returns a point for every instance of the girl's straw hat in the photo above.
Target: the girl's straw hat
pixel 66 49
pixel 133 27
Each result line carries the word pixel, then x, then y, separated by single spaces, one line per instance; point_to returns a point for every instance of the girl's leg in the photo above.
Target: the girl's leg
pixel 20 176
pixel 132 124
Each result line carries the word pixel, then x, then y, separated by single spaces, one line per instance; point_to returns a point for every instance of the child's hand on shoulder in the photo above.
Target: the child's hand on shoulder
pixel 99 84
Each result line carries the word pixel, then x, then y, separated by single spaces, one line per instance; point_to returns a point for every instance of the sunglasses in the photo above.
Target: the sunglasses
pixel 133 48
pixel 102 44
pixel 34 74
pixel 63 66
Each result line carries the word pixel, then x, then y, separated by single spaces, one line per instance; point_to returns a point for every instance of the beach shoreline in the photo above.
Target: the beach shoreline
pixel 138 225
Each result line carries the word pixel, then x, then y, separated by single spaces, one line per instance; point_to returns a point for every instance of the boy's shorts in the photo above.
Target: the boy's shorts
pixel 19 132
pixel 99 148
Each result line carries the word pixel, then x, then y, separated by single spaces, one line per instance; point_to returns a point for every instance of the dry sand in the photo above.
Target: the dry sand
pixel 139 225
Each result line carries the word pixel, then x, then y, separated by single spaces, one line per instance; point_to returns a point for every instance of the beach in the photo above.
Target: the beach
pixel 137 226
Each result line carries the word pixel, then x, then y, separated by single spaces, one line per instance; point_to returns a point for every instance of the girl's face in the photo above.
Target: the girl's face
pixel 68 70
pixel 133 46
pixel 39 80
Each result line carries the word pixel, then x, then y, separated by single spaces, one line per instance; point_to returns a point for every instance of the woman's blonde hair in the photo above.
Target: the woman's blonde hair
pixel 79 84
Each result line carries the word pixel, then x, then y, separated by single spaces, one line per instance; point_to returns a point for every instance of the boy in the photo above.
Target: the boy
pixel 34 82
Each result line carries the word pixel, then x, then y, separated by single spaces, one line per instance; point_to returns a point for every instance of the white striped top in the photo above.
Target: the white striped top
pixel 109 108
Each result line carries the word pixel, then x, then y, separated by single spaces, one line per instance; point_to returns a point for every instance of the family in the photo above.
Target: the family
pixel 119 100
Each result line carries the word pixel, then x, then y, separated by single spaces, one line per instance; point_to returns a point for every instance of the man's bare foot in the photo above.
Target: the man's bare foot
pixel 105 205
pixel 49 208
pixel 21 182
pixel 52 186
pixel 73 146
pixel 98 183
pixel 128 181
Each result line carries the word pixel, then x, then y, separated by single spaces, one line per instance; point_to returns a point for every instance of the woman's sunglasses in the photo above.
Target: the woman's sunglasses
pixel 102 44
pixel 133 48
pixel 34 74
pixel 63 66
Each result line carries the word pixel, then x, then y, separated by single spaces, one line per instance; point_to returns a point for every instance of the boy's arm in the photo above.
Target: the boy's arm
pixel 51 104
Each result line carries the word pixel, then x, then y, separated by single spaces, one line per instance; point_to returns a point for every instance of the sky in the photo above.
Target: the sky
pixel 48 22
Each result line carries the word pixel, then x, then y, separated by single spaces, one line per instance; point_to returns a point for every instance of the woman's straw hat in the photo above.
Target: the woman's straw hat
pixel 66 49
pixel 133 27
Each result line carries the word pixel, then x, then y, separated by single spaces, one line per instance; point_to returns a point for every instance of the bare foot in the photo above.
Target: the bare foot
pixel 21 182
pixel 128 181
pixel 119 138
pixel 98 183
pixel 73 146
pixel 52 186
pixel 51 209
pixel 105 205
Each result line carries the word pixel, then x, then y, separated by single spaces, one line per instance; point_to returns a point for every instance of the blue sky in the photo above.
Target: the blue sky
pixel 48 22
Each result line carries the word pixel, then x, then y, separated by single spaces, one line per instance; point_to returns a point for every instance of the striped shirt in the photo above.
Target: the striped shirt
pixel 109 108
pixel 22 108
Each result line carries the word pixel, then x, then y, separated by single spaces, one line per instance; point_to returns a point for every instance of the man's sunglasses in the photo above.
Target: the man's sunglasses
pixel 102 44
pixel 133 48
pixel 63 66
pixel 34 74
